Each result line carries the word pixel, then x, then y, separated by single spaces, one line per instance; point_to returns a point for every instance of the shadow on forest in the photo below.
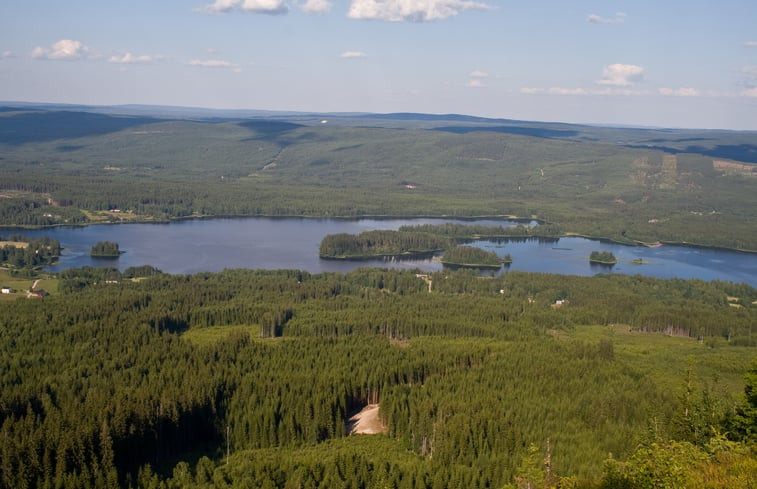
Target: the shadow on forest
pixel 29 127
pixel 518 130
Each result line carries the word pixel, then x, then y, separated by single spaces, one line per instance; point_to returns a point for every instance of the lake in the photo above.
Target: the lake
pixel 191 246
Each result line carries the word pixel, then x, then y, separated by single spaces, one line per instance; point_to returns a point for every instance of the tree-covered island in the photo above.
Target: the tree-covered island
pixel 371 244
pixel 603 258
pixel 472 257
pixel 105 249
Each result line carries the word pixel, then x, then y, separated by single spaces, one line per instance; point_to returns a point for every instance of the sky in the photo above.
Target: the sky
pixel 671 63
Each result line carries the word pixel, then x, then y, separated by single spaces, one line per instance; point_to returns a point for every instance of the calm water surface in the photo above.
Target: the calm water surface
pixel 275 243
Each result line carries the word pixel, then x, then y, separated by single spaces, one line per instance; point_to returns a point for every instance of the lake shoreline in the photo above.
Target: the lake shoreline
pixel 381 217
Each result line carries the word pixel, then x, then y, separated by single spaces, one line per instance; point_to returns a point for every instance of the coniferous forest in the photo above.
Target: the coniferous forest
pixel 247 379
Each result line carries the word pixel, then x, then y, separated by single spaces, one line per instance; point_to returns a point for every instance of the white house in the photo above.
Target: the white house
pixel 5 290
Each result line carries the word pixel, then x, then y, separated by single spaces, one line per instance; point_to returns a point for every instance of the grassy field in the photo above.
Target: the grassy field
pixel 20 285
pixel 665 359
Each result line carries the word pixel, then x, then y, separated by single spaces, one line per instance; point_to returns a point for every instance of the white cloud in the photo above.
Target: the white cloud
pixel 751 44
pixel 271 7
pixel 749 92
pixel 352 55
pixel 128 58
pixel 7 54
pixel 63 49
pixel 620 75
pixel 215 63
pixel 475 83
pixel 411 10
pixel 316 6
pixel 678 92
pixel 222 6
pixel 619 18
pixel 479 74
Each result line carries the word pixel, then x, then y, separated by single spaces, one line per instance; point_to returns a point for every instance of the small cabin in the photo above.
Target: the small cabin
pixel 5 290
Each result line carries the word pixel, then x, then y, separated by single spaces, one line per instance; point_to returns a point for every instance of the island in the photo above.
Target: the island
pixel 105 249
pixel 471 257
pixel 374 244
pixel 602 258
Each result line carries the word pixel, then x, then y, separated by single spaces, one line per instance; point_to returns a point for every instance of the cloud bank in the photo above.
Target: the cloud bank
pixel 215 63
pixel 128 58
pixel 410 10
pixel 270 7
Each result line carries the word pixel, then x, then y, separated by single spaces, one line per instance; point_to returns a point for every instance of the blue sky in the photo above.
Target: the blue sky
pixel 675 63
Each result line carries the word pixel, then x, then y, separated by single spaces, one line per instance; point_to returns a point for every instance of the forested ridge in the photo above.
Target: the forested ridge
pixel 115 382
pixel 62 168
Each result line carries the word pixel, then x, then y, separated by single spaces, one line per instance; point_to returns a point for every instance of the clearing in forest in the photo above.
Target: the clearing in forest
pixel 366 422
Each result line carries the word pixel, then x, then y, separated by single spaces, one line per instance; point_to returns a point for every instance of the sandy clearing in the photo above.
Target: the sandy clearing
pixel 366 422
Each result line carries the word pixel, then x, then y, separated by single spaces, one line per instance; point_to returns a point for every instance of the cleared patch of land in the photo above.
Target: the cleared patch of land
pixel 366 422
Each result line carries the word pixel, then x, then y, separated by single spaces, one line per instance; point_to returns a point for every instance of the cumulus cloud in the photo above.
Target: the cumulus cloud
pixel 619 18
pixel 475 83
pixel 678 92
pixel 65 49
pixel 478 74
pixel 751 44
pixel 620 75
pixel 749 92
pixel 316 6
pixel 7 54
pixel 352 55
pixel 271 7
pixel 128 58
pixel 215 63
pixel 410 10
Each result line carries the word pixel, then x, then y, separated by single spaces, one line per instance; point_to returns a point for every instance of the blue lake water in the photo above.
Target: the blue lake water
pixel 276 243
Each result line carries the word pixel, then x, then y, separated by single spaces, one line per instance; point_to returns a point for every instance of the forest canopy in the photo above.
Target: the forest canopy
pixel 121 383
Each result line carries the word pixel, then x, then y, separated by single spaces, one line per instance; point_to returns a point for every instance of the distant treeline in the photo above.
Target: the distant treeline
pixel 477 231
